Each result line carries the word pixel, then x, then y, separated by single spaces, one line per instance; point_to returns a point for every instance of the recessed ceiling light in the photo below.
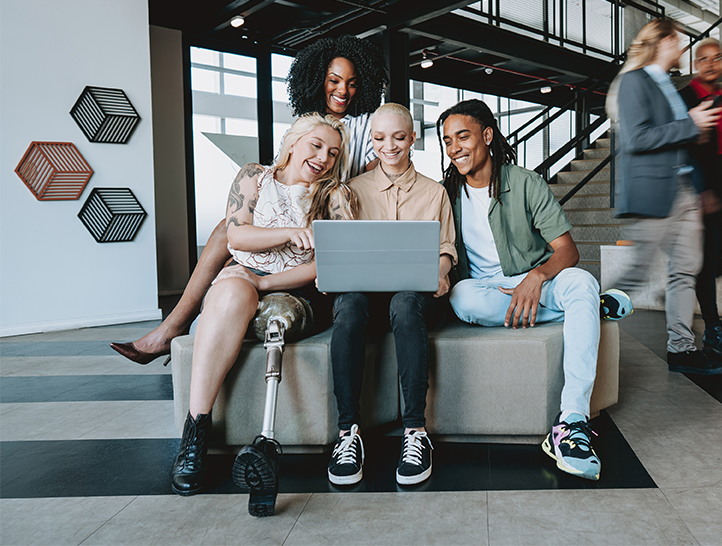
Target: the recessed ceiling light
pixel 546 90
pixel 237 21
pixel 488 70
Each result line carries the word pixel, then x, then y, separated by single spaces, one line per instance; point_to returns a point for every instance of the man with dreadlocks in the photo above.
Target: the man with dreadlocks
pixel 516 262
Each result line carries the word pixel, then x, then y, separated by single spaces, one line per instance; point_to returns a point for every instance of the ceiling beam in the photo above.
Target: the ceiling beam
pixel 462 32
pixel 398 14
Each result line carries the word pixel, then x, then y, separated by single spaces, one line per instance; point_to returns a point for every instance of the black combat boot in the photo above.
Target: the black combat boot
pixel 712 341
pixel 256 470
pixel 189 468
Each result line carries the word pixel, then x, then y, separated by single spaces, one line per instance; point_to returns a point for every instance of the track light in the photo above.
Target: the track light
pixel 489 70
pixel 426 62
pixel 546 90
pixel 237 21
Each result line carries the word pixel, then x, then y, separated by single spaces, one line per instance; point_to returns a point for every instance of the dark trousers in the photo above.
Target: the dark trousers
pixel 707 278
pixel 409 314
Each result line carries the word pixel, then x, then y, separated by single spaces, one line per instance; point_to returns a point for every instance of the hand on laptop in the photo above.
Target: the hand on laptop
pixel 301 237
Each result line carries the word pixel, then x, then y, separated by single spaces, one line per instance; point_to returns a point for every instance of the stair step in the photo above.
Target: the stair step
pixel 591 188
pixel 603 143
pixel 574 177
pixel 591 251
pixel 599 216
pixel 610 234
pixel 589 201
pixel 583 164
pixel 596 153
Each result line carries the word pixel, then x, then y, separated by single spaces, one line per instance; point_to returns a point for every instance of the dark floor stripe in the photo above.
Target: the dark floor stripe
pixel 33 469
pixel 649 328
pixel 56 348
pixel 86 388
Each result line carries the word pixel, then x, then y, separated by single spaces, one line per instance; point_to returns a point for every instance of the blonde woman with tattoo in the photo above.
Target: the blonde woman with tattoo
pixel 269 215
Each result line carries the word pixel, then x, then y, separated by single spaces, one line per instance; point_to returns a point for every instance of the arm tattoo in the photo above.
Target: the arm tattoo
pixel 252 204
pixel 235 199
pixel 249 170
pixel 233 220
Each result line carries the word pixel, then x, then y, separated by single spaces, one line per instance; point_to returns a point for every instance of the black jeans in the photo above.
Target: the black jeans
pixel 706 280
pixel 409 314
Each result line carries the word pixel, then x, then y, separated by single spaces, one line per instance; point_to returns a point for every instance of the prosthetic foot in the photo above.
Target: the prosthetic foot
pixel 256 466
pixel 256 470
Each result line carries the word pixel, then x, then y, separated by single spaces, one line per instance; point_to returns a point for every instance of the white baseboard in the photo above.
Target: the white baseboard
pixel 80 322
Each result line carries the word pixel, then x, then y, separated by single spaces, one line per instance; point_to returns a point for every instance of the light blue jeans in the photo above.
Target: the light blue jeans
pixel 571 297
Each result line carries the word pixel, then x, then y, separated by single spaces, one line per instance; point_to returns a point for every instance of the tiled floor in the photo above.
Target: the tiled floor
pixel 87 440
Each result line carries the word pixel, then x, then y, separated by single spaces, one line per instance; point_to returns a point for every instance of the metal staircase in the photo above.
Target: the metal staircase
pixel 589 211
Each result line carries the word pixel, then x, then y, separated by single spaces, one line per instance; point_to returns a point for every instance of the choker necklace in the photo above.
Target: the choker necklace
pixel 393 177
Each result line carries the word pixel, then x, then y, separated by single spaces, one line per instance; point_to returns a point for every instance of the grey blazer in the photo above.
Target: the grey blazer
pixel 650 141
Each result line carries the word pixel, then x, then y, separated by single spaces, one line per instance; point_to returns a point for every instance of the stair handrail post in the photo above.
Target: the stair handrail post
pixel 612 164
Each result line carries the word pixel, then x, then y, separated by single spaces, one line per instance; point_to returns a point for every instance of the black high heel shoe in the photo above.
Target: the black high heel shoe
pixel 129 351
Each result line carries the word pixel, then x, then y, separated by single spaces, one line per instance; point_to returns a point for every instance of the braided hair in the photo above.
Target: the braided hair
pixel 500 150
pixel 307 75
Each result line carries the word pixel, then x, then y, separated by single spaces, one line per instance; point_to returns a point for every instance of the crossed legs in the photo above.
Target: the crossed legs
pixel 572 297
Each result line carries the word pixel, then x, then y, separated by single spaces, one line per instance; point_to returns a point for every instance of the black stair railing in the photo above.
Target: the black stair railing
pixel 543 168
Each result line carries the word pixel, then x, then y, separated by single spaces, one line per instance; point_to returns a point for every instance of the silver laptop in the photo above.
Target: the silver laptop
pixel 377 255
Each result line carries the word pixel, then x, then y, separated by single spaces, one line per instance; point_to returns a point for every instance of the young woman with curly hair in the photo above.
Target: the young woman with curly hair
pixel 344 77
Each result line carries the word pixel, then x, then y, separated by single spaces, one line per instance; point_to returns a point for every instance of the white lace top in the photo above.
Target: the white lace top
pixel 278 206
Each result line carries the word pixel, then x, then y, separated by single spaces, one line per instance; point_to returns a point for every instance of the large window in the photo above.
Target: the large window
pixel 225 130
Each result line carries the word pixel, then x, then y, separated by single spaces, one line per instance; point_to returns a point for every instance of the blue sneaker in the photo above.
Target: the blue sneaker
pixel 615 305
pixel 569 444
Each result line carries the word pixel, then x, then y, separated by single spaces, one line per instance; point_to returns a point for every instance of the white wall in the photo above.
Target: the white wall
pixel 53 275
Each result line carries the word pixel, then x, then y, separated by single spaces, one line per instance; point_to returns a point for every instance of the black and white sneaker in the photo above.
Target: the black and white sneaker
pixel 347 459
pixel 415 461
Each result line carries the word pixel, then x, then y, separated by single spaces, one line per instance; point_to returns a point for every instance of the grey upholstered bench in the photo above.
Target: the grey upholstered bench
pixel 486 385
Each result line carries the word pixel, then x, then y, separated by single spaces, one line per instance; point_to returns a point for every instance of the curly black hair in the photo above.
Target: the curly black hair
pixel 501 151
pixel 307 76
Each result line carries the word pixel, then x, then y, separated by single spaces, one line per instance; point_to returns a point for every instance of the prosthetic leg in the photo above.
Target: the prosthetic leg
pixel 280 316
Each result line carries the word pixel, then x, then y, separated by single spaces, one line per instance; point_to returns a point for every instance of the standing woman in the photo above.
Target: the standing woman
pixel 344 77
pixel 269 215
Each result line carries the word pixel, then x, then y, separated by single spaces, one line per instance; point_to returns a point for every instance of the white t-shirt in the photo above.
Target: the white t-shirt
pixel 476 232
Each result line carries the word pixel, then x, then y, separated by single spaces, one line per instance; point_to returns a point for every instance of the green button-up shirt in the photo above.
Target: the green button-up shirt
pixel 524 221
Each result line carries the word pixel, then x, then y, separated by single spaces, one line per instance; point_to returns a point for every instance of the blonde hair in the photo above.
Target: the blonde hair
pixel 396 109
pixel 706 43
pixel 641 53
pixel 329 198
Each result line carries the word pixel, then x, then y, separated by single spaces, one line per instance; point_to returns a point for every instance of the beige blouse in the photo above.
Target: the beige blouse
pixel 278 206
pixel 412 196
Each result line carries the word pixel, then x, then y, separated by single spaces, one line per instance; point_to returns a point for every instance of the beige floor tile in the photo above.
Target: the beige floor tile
pixel 600 517
pixel 37 366
pixel 198 520
pixel 662 414
pixel 392 519
pixel 699 508
pixel 149 419
pixel 55 522
pixel 76 420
